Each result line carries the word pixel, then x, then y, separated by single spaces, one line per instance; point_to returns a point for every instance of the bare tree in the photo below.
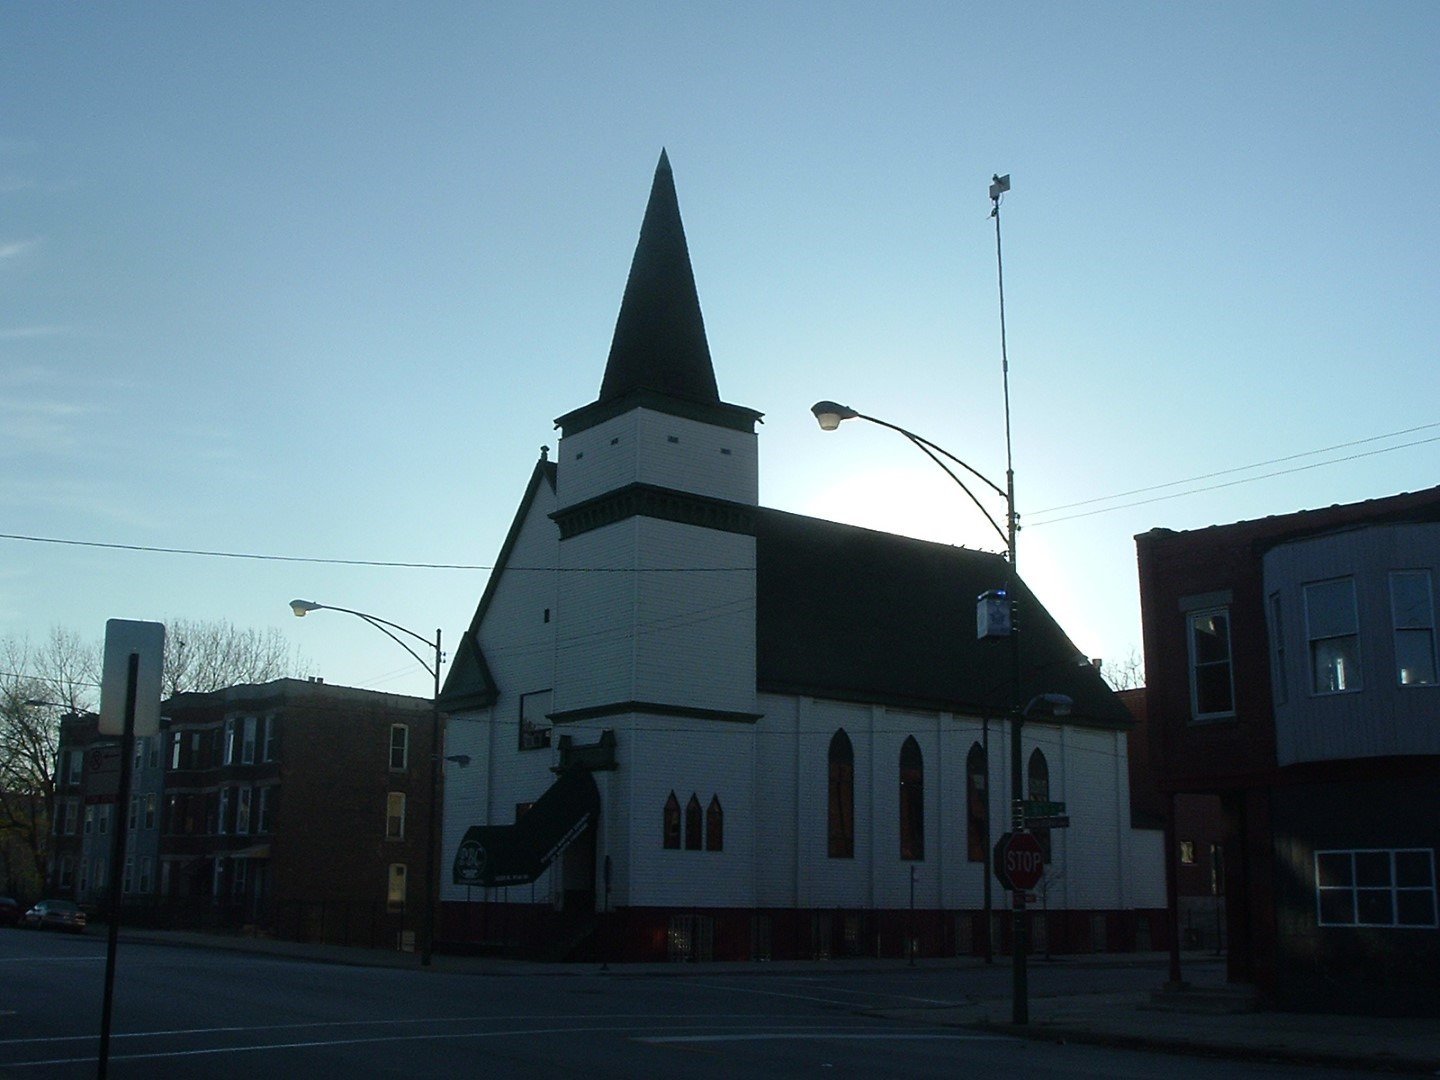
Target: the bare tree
pixel 1126 674
pixel 38 683
pixel 204 655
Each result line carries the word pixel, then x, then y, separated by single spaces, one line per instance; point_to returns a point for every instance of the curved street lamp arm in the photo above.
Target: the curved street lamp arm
pixel 928 446
pixel 377 623
pixel 929 450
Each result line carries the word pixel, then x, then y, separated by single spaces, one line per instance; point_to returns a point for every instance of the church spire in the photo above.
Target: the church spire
pixel 659 344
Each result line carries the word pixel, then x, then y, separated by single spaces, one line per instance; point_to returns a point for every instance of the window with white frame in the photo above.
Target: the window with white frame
pixel 1375 887
pixel 1212 687
pixel 1412 613
pixel 77 766
pixel 262 809
pixel 176 741
pixel 228 751
pixel 247 745
pixel 395 815
pixel 399 747
pixel 223 826
pixel 242 812
pixel 270 739
pixel 1332 627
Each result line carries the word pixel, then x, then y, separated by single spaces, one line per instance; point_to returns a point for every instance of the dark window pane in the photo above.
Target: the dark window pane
pixel 1410 598
pixel 1375 907
pixel 1415 657
pixel 1413 869
pixel 1212 638
pixel 693 824
pixel 1415 908
pixel 1212 689
pixel 1330 608
pixel 1337 907
pixel 1334 868
pixel 1372 869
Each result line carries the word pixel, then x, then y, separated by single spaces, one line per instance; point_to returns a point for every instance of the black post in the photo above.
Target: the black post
pixel 911 942
pixel 117 860
pixel 431 869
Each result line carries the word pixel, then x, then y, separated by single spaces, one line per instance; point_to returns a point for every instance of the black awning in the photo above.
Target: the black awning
pixel 492 855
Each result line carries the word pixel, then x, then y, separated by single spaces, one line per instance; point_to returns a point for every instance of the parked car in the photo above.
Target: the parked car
pixel 55 915
pixel 9 911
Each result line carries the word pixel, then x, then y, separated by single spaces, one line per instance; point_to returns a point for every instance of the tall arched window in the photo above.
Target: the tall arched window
pixel 693 824
pixel 714 825
pixel 912 801
pixel 977 805
pixel 842 797
pixel 1040 790
pixel 672 821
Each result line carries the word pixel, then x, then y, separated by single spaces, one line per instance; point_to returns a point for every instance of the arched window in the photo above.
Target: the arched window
pixel 1040 790
pixel 694 824
pixel 912 801
pixel 672 821
pixel 842 797
pixel 977 805
pixel 714 825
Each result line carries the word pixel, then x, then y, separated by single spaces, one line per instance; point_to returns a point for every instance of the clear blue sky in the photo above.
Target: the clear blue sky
pixel 314 279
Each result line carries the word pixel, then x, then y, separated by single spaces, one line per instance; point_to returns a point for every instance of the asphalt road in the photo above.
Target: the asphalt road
pixel 185 1012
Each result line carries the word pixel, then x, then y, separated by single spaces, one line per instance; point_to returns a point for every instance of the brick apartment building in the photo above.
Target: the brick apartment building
pixel 1291 670
pixel 293 806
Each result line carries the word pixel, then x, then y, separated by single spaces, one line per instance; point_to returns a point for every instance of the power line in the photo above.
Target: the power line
pixel 1246 468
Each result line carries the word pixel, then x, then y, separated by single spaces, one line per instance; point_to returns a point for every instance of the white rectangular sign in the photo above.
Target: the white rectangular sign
pixel 123 638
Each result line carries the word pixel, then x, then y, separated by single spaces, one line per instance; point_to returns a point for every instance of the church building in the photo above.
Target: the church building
pixel 683 725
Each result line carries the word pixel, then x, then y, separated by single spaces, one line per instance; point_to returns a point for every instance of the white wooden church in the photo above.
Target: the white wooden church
pixel 683 725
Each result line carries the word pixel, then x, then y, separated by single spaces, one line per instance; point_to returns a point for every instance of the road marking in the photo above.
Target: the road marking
pixel 772 1036
pixel 316 1044
pixel 737 989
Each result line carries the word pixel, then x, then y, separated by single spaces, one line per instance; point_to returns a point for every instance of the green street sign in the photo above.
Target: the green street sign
pixel 1043 808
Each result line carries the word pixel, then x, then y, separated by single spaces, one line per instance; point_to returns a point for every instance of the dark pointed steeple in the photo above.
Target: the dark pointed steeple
pixel 659 358
pixel 659 342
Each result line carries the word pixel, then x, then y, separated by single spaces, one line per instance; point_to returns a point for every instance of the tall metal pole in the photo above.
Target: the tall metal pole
pixel 117 858
pixel 428 945
pixel 1020 1011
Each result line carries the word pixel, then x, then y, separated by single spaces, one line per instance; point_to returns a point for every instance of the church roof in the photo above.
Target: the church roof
pixel 659 356
pixel 852 614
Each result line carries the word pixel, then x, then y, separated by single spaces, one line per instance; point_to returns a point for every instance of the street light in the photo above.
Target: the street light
pixel 301 608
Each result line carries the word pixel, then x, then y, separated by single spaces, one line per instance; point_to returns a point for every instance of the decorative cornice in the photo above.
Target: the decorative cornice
pixel 664 504
pixel 684 712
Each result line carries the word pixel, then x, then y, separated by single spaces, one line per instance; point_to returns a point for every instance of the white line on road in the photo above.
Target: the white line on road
pixel 770 1036
pixel 316 1044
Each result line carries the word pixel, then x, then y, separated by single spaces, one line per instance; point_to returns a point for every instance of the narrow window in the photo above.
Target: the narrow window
pixel 1212 691
pixel 912 801
pixel 224 811
pixel 145 872
pixel 176 741
pixel 693 824
pixel 395 815
pixel 1413 616
pixel 1039 777
pixel 265 809
pixel 395 887
pixel 1187 852
pixel 1331 624
pixel 270 736
pixel 247 750
pixel 534 719
pixel 399 747
pixel 977 805
pixel 672 822
pixel 228 753
pixel 714 825
pixel 150 801
pixel 841 817
pixel 242 812
pixel 1278 681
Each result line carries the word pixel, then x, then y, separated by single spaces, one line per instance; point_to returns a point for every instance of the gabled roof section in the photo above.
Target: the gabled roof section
pixel 469 683
pixel 855 615
pixel 659 356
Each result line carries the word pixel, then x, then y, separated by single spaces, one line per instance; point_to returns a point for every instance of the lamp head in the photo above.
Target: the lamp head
pixel 300 607
pixel 830 413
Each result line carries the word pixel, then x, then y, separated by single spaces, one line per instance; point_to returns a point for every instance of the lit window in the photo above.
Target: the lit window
pixel 1334 640
pixel 1375 887
pixel 841 814
pixel 395 816
pixel 1413 615
pixel 399 747
pixel 395 887
pixel 1212 691
pixel 1187 852
pixel 912 801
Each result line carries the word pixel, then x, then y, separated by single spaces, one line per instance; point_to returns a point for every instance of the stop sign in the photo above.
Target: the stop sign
pixel 1024 861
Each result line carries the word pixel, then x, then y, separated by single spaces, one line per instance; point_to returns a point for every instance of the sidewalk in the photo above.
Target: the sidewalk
pixel 1186 1022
